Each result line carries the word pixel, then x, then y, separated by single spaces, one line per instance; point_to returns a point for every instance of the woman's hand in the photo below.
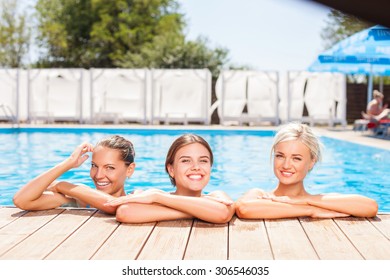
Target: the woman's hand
pixel 327 214
pixel 219 199
pixel 79 155
pixel 145 197
pixel 286 199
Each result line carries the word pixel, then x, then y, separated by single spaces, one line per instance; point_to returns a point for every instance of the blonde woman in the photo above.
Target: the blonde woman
pixel 295 151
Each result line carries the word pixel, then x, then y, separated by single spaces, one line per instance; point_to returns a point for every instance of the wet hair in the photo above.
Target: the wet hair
pixel 301 132
pixel 124 146
pixel 180 142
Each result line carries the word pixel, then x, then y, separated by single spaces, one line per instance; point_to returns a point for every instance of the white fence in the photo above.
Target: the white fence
pixel 157 96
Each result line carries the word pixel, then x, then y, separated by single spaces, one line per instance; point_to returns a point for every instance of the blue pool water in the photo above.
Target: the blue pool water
pixel 242 161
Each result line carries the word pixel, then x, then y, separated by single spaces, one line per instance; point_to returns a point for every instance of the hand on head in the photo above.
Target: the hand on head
pixel 79 155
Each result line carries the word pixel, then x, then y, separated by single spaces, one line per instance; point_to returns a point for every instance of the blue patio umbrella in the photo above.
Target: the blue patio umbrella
pixel 365 52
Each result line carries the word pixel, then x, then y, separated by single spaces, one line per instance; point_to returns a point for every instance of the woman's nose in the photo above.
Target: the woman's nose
pixel 99 173
pixel 195 166
pixel 286 163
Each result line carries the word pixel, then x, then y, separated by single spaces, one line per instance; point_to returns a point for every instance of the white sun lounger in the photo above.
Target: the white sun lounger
pixel 181 96
pixel 255 90
pixel 323 94
pixel 118 95
pixel 9 95
pixel 55 95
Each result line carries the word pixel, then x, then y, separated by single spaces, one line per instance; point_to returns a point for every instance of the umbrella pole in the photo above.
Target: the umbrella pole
pixel 369 86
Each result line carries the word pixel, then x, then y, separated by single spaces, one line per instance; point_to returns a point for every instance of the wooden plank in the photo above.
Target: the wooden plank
pixel 20 229
pixel 167 241
pixel 9 214
pixel 85 242
pixel 125 243
pixel 207 242
pixel 248 240
pixel 328 240
pixel 38 245
pixel 370 242
pixel 289 241
pixel 382 223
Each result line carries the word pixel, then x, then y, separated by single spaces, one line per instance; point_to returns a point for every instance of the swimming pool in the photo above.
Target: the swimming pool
pixel 242 161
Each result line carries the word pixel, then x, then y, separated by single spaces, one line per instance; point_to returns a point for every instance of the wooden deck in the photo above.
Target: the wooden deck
pixel 80 234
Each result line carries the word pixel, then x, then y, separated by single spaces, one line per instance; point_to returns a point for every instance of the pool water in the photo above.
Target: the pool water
pixel 242 161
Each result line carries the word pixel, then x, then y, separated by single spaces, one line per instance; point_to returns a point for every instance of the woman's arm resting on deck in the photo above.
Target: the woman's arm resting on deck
pixel 32 196
pixel 87 195
pixel 260 208
pixel 145 213
pixel 202 208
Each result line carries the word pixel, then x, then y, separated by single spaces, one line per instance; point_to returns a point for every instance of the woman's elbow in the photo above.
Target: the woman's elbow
pixel 242 210
pixel 224 216
pixel 21 203
pixel 125 214
pixel 372 209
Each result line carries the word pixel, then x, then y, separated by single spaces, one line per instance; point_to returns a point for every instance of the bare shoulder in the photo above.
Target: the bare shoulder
pixel 252 194
pixel 218 193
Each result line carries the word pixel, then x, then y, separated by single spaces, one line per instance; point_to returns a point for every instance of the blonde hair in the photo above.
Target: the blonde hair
pixel 301 132
pixel 377 93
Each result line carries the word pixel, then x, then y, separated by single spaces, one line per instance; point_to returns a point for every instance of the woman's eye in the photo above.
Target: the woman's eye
pixel 278 156
pixel 110 168
pixel 297 159
pixel 185 160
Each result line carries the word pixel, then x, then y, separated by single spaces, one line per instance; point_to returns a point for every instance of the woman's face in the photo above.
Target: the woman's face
pixel 191 169
pixel 292 161
pixel 109 171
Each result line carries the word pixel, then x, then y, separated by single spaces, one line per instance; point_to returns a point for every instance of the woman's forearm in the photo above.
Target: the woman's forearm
pixel 199 207
pixel 33 190
pixel 145 213
pixel 355 205
pixel 87 195
pixel 267 209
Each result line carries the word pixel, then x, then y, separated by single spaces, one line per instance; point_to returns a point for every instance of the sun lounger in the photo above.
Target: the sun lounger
pixel 9 95
pixel 55 95
pixel 180 96
pixel 323 94
pixel 119 95
pixel 247 97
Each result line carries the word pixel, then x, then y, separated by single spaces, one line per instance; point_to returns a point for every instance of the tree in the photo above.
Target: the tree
pixel 120 33
pixel 167 52
pixel 340 26
pixel 99 33
pixel 14 34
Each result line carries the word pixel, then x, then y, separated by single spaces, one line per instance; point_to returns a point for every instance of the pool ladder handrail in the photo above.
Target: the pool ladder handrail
pixel 9 114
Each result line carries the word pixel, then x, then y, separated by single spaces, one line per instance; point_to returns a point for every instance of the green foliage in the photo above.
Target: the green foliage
pixel 340 26
pixel 175 52
pixel 14 35
pixel 120 33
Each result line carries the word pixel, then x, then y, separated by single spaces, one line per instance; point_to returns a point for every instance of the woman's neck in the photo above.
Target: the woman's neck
pixel 290 190
pixel 119 193
pixel 186 192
